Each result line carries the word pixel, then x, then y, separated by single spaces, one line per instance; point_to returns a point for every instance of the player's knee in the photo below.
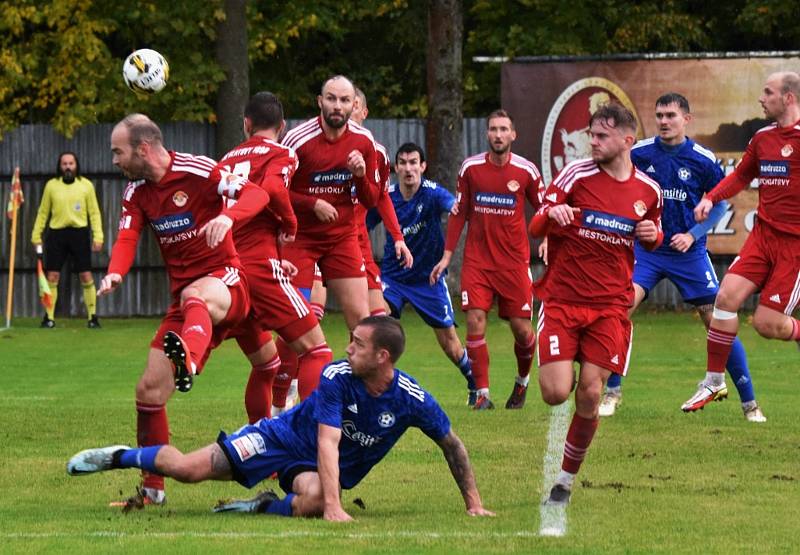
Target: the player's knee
pixel 767 327
pixel 189 292
pixel 726 300
pixel 554 394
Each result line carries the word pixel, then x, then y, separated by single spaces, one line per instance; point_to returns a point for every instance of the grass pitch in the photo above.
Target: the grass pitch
pixel 655 480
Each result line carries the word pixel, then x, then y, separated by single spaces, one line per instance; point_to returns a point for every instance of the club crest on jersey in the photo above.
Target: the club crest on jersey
pixel 173 223
pixel 684 174
pixel 640 208
pixel 180 199
pixel 604 221
pixel 787 150
pixel 386 420
pixel 513 185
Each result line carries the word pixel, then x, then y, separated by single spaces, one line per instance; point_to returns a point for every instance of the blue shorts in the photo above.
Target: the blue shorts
pixel 692 273
pixel 432 302
pixel 255 453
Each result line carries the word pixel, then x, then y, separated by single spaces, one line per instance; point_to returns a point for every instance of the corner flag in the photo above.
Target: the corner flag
pixel 15 198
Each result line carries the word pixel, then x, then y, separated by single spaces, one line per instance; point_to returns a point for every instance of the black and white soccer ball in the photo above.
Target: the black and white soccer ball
pixel 145 71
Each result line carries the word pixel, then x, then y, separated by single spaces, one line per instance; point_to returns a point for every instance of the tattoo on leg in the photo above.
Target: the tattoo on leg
pixel 219 462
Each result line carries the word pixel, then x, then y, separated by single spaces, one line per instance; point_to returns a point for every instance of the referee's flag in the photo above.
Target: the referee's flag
pixel 45 295
pixel 15 199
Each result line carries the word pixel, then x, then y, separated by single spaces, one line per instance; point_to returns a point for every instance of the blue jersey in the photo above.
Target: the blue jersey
pixel 370 425
pixel 685 174
pixel 420 221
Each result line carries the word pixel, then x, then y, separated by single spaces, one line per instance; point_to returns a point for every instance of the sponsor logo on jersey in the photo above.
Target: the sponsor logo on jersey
pixel 410 230
pixel 674 194
pixel 608 222
pixel 249 446
pixel 495 203
pixel 774 172
pixel 684 174
pixel 640 208
pixel 331 177
pixel 566 133
pixel 173 223
pixel 386 420
pixel 787 150
pixel 180 199
pixel 513 185
pixel 351 432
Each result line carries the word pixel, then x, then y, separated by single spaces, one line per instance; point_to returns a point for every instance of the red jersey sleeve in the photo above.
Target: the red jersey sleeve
pixel 275 182
pixel 745 172
pixel 131 222
pixel 389 216
pixel 251 199
pixel 555 194
pixel 654 215
pixel 455 223
pixel 368 187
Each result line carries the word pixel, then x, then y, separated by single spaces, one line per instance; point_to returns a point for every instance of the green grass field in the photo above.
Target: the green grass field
pixel 655 480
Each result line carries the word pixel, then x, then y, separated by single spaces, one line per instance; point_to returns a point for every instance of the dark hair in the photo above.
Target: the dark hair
pixel 408 148
pixel 59 173
pixel 499 113
pixel 142 129
pixel 674 98
pixel 387 333
pixel 264 111
pixel 615 115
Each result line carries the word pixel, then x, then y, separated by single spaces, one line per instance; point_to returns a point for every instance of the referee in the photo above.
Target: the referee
pixel 70 204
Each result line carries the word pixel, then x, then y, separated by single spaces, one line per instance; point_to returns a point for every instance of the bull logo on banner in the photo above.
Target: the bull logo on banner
pixel 566 133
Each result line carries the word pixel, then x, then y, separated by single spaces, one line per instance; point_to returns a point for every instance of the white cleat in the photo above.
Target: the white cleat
pixel 705 394
pixel 93 460
pixel 611 400
pixel 754 414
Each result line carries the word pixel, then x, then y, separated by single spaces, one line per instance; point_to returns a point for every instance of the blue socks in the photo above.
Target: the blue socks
pixel 281 507
pixel 466 370
pixel 142 457
pixel 614 380
pixel 739 372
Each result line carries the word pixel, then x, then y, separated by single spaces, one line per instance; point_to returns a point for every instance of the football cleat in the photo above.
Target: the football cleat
pixel 89 461
pixel 257 504
pixel 472 397
pixel 754 414
pixel 559 495
pixel 93 323
pixel 517 398
pixel 142 498
pixel 611 400
pixel 47 323
pixel 483 403
pixel 705 394
pixel 178 355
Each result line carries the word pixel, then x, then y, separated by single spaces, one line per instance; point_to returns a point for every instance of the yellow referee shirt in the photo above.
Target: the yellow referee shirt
pixel 68 205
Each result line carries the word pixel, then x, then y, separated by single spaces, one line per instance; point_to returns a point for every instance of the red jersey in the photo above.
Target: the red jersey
pixel 322 174
pixel 189 195
pixel 384 205
pixel 772 156
pixel 590 262
pixel 492 199
pixel 271 166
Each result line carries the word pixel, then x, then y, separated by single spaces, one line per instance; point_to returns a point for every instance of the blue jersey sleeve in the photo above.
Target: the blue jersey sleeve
pixel 330 392
pixel 714 216
pixel 432 420
pixel 444 199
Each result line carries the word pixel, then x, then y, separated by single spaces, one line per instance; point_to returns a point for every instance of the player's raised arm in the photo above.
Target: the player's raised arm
pixel 458 460
pixel 328 467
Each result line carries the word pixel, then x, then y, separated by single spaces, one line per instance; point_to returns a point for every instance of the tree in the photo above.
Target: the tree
pixel 234 91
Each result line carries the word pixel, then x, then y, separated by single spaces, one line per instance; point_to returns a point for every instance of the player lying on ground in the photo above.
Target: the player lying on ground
pixel 333 439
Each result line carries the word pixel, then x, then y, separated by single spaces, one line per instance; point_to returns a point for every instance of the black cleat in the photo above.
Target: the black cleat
pixel 47 323
pixel 472 397
pixel 257 504
pixel 178 355
pixel 559 495
pixel 517 398
pixel 93 323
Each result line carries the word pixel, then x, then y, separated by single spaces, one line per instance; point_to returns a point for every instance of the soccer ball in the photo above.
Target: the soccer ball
pixel 145 71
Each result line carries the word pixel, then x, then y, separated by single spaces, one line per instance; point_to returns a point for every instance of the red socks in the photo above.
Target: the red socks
pixel 478 353
pixel 524 354
pixel 719 344
pixel 197 328
pixel 258 394
pixel 286 373
pixel 310 366
pixel 152 428
pixel 579 437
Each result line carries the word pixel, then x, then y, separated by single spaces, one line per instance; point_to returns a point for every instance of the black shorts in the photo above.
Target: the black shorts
pixel 70 242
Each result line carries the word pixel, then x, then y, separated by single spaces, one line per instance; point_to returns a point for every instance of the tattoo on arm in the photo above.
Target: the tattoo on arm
pixel 457 459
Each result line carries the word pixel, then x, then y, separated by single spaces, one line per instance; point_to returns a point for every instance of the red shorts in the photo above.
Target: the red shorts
pixel 601 336
pixel 771 260
pixel 513 289
pixel 372 269
pixel 240 306
pixel 337 259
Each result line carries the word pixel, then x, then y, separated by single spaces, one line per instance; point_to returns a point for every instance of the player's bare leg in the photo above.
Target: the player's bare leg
pixel 479 356
pixel 353 298
pixel 457 353
pixel 524 349
pixel 377 306
pixel 722 331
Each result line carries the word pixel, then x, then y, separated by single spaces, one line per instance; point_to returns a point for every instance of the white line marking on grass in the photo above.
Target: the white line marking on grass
pixel 553 519
pixel 289 534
